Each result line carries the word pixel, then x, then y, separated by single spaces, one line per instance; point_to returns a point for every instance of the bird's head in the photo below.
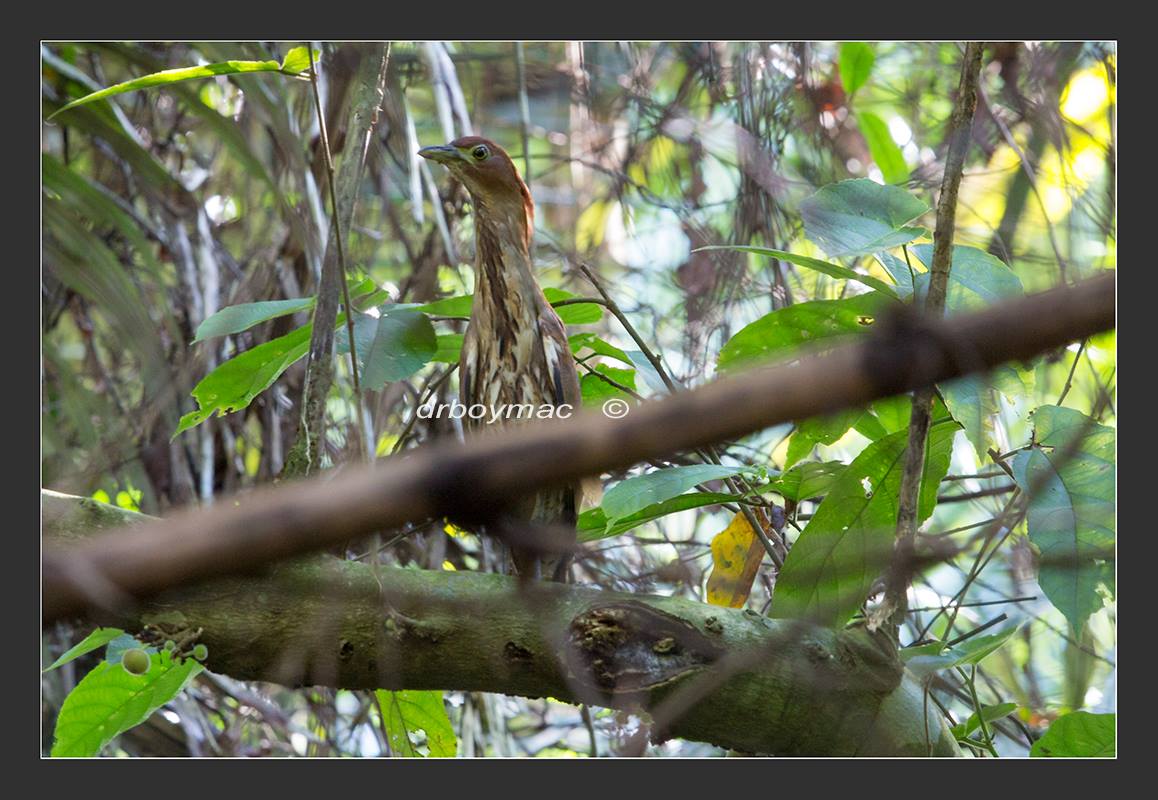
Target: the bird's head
pixel 489 174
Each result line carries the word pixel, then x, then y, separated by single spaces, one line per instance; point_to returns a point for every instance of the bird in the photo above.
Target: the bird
pixel 515 349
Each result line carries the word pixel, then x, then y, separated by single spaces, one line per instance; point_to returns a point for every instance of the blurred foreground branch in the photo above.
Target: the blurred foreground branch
pixel 476 480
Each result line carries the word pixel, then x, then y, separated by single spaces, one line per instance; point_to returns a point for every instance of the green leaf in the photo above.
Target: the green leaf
pixel 810 479
pixel 458 307
pixel 638 492
pixel 826 267
pixel 596 390
pixel 406 713
pixel 1079 734
pixel 849 539
pixel 168 76
pixel 977 279
pixel 599 346
pixel 392 346
pixel 926 659
pixel 97 639
pixel 109 700
pixel 234 319
pixel 449 348
pixel 988 713
pixel 827 430
pixel 782 331
pixel 593 523
pixel 856 63
pixel 898 270
pixel 577 314
pixel 234 384
pixel 972 400
pixel 861 217
pixel 1071 517
pixel 296 61
pixel 885 152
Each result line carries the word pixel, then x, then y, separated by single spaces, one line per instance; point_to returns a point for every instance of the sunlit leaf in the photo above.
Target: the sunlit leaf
pixel 782 331
pixel 234 319
pixel 736 556
pixel 95 640
pixel 110 700
pixel 856 63
pixel 406 713
pixel 885 152
pixel 1079 734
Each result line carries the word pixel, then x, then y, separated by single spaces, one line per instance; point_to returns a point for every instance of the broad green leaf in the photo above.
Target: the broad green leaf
pixel 110 700
pixel 98 638
pixel 234 319
pixel 885 152
pixel 988 713
pixel 856 63
pixel 861 217
pixel 826 430
pixel 234 384
pixel 176 75
pixel 786 329
pixel 593 525
pixel 736 556
pixel 849 539
pixel 810 479
pixel 296 61
pixel 828 268
pixel 406 713
pixel 449 348
pixel 596 390
pixel 577 314
pixel 639 492
pixel 1071 517
pixel 1078 734
pixel 972 400
pixel 977 279
pixel 392 346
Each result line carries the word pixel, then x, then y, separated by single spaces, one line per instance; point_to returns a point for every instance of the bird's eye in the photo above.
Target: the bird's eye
pixel 480 153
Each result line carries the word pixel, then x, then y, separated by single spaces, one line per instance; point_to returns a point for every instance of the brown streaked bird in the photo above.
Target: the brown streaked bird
pixel 515 351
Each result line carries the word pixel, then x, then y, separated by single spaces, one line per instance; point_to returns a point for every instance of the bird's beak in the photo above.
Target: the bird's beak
pixel 442 153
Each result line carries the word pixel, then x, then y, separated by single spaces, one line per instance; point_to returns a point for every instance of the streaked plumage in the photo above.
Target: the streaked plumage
pixel 515 351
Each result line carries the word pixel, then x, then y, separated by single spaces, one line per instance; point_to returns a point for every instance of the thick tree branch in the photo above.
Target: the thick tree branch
pixel 801 690
pixel 474 480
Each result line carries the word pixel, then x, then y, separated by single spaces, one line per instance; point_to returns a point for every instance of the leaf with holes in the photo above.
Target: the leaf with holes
pixel 406 713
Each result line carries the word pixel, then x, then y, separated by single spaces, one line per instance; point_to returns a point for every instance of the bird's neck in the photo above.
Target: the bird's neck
pixel 504 274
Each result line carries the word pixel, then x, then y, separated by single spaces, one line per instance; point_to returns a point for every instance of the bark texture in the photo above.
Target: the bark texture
pixel 768 686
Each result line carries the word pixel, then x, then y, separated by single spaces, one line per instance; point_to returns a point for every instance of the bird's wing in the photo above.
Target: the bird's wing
pixel 560 363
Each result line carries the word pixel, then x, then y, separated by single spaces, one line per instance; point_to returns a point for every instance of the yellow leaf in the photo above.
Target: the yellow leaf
pixel 736 556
